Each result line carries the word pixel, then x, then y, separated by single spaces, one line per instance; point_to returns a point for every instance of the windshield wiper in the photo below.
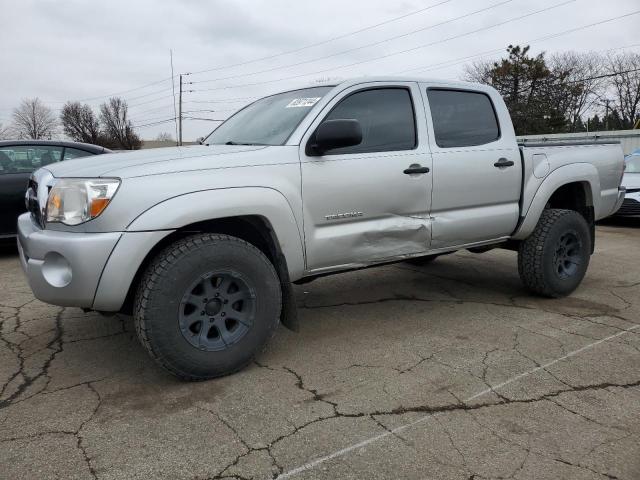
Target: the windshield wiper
pixel 241 143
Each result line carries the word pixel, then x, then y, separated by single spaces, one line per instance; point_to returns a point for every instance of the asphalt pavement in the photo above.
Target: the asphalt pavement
pixel 446 371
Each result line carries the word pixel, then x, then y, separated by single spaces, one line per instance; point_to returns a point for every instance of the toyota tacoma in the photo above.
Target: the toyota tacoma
pixel 201 244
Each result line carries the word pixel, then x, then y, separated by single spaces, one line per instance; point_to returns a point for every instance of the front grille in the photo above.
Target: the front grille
pixel 629 207
pixel 32 203
pixel 37 193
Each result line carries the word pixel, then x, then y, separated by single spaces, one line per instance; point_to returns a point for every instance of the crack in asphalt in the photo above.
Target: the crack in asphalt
pixel 77 433
pixel 80 439
pixel 443 409
pixel 606 475
pixel 55 345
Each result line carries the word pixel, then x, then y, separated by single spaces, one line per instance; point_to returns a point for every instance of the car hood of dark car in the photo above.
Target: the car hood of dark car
pixel 160 161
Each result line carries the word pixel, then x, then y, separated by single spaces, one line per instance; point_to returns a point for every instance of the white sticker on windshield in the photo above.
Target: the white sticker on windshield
pixel 303 102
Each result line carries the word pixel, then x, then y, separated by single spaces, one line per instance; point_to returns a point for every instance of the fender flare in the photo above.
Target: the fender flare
pixel 182 210
pixel 573 173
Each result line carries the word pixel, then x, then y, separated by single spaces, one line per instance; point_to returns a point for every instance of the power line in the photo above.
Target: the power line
pixel 115 94
pixel 154 123
pixel 148 119
pixel 372 44
pixel 572 81
pixel 437 42
pixel 156 109
pixel 544 38
pixel 163 97
pixel 211 111
pixel 224 67
pixel 323 42
pixel 149 94
pixel 229 100
pixel 204 119
pixel 597 77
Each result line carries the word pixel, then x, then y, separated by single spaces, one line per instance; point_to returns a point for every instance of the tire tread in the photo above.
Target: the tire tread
pixel 149 284
pixel 531 256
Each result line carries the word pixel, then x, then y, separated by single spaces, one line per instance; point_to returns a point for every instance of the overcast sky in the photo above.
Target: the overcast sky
pixel 62 50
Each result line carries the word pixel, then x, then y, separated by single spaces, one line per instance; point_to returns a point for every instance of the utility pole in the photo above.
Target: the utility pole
pixel 180 114
pixel 173 90
pixel 606 114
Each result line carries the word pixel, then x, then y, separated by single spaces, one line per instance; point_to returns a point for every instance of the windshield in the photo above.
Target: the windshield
pixel 268 121
pixel 633 164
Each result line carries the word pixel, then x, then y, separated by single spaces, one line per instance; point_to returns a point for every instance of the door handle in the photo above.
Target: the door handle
pixel 503 162
pixel 415 168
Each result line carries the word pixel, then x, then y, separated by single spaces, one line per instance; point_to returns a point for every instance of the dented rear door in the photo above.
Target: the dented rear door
pixel 363 204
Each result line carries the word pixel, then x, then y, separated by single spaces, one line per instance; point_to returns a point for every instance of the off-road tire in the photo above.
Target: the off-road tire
pixel 168 276
pixel 538 254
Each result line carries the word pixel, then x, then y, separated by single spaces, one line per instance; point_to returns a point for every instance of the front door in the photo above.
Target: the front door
pixel 370 202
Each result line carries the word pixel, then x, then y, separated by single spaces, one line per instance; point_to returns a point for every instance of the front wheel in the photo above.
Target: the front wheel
pixel 553 260
pixel 206 305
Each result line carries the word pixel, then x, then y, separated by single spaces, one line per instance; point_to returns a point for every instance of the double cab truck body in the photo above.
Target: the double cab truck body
pixel 202 243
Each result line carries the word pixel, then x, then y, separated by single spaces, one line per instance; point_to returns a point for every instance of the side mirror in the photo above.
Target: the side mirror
pixel 332 134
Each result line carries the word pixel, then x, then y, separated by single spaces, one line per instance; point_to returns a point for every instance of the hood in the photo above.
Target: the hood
pixel 157 161
pixel 631 181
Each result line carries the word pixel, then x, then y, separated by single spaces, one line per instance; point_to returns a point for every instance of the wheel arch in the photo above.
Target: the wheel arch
pixel 260 216
pixel 572 187
pixel 254 229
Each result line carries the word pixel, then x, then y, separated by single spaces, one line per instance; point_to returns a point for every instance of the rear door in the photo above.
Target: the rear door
pixel 477 171
pixel 359 204
pixel 16 164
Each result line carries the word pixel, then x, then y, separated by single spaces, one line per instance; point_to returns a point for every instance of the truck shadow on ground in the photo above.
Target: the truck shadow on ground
pixel 622 222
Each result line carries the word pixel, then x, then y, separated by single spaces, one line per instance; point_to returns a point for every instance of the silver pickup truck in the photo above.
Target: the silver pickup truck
pixel 201 244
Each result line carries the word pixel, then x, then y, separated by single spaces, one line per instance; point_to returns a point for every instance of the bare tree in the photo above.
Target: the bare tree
pixel 624 69
pixel 80 123
pixel 117 125
pixel 580 83
pixel 5 132
pixel 33 119
pixel 478 71
pixel 165 137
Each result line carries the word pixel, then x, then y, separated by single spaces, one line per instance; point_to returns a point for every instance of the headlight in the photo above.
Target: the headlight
pixel 77 200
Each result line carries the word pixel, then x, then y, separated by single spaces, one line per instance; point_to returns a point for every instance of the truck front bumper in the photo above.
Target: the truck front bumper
pixel 63 268
pixel 87 270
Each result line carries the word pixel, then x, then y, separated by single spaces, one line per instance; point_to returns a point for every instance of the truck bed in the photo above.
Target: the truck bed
pixel 600 161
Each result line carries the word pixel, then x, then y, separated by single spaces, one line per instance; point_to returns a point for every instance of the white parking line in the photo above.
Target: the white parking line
pixel 369 441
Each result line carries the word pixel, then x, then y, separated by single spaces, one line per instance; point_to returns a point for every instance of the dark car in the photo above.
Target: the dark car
pixel 18 158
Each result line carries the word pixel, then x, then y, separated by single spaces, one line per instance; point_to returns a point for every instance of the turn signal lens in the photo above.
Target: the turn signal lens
pixel 97 206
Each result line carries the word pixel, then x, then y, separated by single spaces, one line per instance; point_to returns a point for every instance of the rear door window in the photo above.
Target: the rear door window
pixel 462 118
pixel 27 158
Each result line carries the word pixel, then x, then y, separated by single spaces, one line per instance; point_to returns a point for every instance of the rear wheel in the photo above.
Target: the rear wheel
pixel 206 305
pixel 553 260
